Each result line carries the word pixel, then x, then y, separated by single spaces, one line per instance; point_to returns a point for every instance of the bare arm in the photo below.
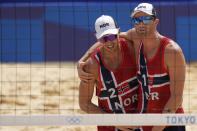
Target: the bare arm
pixel 129 35
pixel 176 66
pixel 175 63
pixel 86 90
pixel 89 52
pixel 85 97
pixel 84 76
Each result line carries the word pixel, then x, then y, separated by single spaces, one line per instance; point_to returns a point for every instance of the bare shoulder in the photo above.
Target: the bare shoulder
pixel 128 35
pixel 173 54
pixel 92 66
pixel 173 47
pixel 131 33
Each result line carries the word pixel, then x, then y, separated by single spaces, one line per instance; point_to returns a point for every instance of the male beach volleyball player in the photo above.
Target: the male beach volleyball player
pixel 114 74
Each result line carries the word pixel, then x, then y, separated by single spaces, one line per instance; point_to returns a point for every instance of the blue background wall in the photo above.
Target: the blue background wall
pixel 63 31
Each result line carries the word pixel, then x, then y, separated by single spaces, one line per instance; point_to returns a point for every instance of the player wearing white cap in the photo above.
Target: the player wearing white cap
pixel 160 67
pixel 114 74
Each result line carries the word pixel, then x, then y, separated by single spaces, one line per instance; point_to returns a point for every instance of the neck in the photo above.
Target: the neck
pixel 112 57
pixel 151 42
pixel 111 53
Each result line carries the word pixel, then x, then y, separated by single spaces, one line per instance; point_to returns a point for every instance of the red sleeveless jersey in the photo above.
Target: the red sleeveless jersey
pixel 118 89
pixel 154 81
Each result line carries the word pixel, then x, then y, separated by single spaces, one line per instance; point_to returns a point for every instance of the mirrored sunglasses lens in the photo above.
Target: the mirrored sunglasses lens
pixel 112 37
pixel 146 21
pixel 102 40
pixel 135 21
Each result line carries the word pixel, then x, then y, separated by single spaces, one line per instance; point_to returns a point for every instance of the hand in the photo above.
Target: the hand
pixel 84 76
pixel 127 128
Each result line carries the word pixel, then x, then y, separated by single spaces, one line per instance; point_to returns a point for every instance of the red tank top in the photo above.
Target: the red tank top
pixel 154 81
pixel 118 89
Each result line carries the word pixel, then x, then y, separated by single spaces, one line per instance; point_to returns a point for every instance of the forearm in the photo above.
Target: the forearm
pixel 171 107
pixel 89 52
pixel 85 98
pixel 129 35
pixel 92 108
pixel 85 56
pixel 175 65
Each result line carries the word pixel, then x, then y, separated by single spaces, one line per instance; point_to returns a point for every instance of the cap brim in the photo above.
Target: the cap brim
pixel 109 31
pixel 133 14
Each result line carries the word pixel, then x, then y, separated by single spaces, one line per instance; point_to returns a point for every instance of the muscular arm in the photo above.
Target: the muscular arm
pixel 129 35
pixel 175 63
pixel 83 75
pixel 86 90
pixel 176 66
pixel 89 52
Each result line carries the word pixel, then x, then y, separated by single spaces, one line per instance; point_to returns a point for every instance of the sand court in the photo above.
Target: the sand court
pixel 52 88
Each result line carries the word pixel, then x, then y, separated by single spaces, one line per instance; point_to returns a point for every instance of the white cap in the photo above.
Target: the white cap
pixel 146 8
pixel 105 25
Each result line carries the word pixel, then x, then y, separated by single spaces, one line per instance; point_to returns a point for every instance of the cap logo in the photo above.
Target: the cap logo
pixel 141 7
pixel 104 25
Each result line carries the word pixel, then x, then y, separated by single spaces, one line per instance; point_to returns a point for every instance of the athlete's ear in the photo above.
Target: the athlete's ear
pixel 156 21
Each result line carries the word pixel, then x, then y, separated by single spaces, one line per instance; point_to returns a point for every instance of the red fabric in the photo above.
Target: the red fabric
pixel 125 71
pixel 158 95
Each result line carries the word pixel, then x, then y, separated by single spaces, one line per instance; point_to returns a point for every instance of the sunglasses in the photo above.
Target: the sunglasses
pixel 145 20
pixel 109 37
